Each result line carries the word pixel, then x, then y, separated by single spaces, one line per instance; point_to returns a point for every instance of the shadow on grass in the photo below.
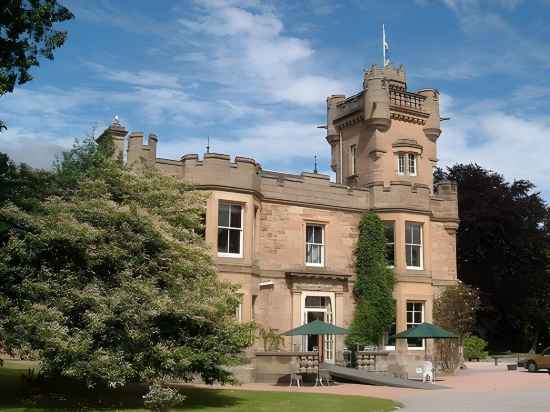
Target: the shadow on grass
pixel 21 388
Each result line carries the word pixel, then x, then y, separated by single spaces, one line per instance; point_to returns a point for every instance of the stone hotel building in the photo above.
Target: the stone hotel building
pixel 288 240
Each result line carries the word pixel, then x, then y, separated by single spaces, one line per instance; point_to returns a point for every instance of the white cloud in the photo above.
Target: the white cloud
pixel 250 54
pixel 147 78
pixel 511 144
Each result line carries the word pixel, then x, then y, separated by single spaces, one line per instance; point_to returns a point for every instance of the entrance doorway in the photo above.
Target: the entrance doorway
pixel 319 306
pixel 313 340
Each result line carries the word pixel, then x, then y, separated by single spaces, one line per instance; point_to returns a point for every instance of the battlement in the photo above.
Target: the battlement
pixel 218 171
pixel 139 154
pixel 388 72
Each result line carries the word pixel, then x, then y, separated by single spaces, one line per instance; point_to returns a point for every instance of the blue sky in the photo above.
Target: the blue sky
pixel 254 75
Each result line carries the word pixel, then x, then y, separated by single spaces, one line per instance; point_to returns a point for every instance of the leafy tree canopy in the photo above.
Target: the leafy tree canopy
pixel 26 34
pixel 375 306
pixel 107 281
pixel 501 244
pixel 455 309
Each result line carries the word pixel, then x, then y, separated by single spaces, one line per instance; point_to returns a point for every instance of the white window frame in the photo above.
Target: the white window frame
pixel 421 267
pixel 401 164
pixel 422 314
pixel 241 229
pixel 353 159
pixel 411 161
pixel 322 244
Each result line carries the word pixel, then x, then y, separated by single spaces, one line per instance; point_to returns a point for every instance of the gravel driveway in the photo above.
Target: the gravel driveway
pixel 485 388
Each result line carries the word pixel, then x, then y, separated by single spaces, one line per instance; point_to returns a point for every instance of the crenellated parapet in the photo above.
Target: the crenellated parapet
pixel 444 202
pixel 218 171
pixel 139 154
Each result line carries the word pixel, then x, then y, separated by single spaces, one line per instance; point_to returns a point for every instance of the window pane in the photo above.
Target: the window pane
pixel 415 256
pixel 318 234
pixel 417 317
pixel 234 241
pixel 409 317
pixel 388 231
pixel 410 306
pixel 390 254
pixel 223 240
pixel 401 164
pixel 313 254
pixel 416 234
pixel 236 216
pixel 223 214
pixel 314 302
pixel 408 233
pixel 412 164
pixel 309 233
pixel 414 343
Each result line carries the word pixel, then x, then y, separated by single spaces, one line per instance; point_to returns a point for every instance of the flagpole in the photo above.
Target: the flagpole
pixel 383 46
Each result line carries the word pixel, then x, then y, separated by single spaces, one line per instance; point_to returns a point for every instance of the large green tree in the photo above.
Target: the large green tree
pixel 373 291
pixel 109 282
pixel 501 244
pixel 26 34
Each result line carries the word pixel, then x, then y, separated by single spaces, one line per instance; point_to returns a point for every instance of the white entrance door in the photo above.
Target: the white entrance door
pixel 319 306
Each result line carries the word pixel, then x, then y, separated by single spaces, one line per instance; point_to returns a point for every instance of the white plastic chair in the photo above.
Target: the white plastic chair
pixel 297 378
pixel 428 372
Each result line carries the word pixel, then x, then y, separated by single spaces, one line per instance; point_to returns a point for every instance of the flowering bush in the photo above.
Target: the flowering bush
pixel 162 398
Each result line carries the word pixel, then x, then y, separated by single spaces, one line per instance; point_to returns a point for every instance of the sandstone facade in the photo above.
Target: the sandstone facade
pixel 288 240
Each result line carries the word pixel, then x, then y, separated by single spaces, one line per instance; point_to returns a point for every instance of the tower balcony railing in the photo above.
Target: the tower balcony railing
pixel 407 100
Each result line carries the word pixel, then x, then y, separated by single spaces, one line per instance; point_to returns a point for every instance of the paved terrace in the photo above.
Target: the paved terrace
pixel 481 388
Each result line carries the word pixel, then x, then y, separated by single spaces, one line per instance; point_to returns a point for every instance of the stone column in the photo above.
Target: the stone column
pixel 296 316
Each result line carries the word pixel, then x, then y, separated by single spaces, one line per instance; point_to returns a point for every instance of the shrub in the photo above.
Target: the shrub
pixel 162 398
pixel 455 310
pixel 474 348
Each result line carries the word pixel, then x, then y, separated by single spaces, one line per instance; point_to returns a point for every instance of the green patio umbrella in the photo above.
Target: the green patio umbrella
pixel 317 327
pixel 426 331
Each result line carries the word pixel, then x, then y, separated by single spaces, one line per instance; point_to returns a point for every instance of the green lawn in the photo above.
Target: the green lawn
pixel 65 394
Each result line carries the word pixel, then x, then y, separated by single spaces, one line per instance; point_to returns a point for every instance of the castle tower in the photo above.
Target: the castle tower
pixel 385 133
